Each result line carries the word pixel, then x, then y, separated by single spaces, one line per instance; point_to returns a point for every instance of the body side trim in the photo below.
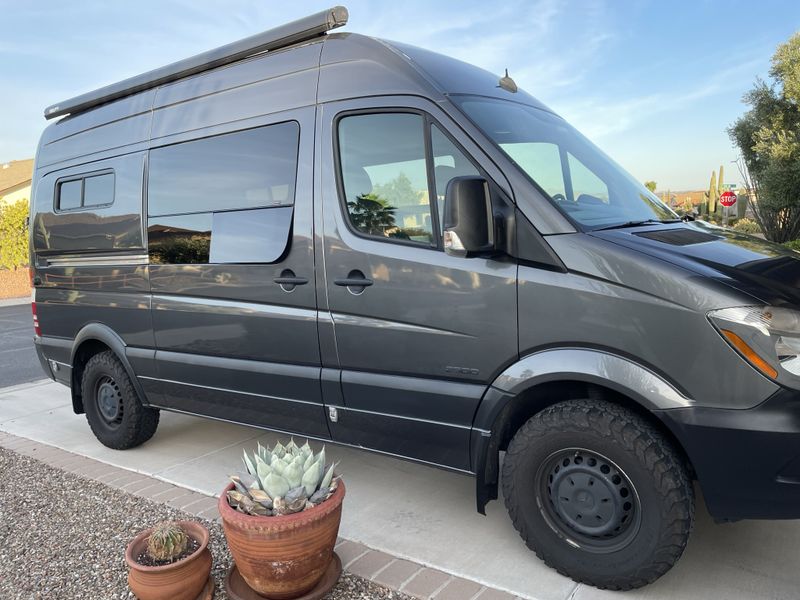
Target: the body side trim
pixel 327 440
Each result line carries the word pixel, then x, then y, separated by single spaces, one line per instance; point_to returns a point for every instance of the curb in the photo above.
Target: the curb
pixel 390 571
pixel 15 301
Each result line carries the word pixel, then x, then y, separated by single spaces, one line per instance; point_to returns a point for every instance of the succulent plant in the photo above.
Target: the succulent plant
pixel 167 542
pixel 282 480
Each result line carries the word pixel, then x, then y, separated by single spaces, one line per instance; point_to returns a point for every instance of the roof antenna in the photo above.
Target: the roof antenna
pixel 508 84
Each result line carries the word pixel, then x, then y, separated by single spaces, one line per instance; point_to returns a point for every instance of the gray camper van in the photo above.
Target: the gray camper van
pixel 364 242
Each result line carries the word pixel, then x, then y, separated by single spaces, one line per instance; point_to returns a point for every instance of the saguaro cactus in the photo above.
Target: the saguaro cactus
pixel 712 193
pixel 720 189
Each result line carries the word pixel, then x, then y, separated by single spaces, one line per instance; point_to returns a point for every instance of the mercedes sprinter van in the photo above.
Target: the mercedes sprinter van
pixel 360 241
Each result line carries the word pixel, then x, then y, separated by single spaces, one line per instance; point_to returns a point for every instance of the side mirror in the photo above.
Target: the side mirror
pixel 468 217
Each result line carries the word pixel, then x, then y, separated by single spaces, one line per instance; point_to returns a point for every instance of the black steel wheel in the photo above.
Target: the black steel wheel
pixel 599 494
pixel 113 408
pixel 588 499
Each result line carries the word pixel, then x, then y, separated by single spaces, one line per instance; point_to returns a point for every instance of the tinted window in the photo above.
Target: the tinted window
pixel 448 162
pixel 92 190
pixel 385 177
pixel 250 236
pixel 246 169
pixel 69 194
pixel 98 190
pixel 181 240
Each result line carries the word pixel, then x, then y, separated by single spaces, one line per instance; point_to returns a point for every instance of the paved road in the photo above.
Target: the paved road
pixel 18 362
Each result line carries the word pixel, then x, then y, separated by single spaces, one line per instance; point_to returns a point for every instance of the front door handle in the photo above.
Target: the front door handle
pixel 355 281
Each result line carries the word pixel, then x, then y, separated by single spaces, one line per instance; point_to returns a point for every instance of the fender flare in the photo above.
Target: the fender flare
pixel 631 379
pixel 103 333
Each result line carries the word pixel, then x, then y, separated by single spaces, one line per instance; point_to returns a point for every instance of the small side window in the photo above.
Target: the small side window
pixel 98 190
pixel 85 192
pixel 384 175
pixel 69 194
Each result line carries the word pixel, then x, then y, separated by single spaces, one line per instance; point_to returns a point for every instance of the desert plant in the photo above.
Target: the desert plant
pixel 712 195
pixel 745 225
pixel 282 480
pixel 167 542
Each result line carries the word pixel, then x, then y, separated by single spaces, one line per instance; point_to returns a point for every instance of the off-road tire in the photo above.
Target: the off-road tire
pixel 135 424
pixel 656 470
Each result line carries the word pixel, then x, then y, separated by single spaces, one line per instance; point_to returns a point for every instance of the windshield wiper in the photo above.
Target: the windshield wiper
pixel 636 224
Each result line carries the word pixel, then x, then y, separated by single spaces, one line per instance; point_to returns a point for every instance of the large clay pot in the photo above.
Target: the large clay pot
pixel 283 557
pixel 182 580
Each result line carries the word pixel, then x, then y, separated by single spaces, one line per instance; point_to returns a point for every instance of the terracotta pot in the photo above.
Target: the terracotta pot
pixel 182 580
pixel 283 557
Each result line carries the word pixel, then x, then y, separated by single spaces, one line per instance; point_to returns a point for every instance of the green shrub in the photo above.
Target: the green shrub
pixel 794 245
pixel 745 225
pixel 14 235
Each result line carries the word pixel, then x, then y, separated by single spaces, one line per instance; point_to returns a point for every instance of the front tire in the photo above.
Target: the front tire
pixel 599 494
pixel 113 409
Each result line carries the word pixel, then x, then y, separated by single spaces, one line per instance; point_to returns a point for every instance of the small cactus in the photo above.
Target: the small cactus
pixel 283 480
pixel 167 542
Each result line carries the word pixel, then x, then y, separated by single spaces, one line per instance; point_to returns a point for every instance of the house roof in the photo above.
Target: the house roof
pixel 15 173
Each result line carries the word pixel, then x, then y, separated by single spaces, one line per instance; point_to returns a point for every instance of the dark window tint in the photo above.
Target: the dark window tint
pixel 69 194
pixel 93 190
pixel 180 240
pixel 385 177
pixel 98 190
pixel 250 236
pixel 246 169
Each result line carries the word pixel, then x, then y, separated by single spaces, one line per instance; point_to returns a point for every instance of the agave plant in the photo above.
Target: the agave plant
pixel 167 542
pixel 282 480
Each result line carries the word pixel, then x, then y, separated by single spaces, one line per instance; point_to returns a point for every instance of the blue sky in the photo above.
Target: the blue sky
pixel 653 83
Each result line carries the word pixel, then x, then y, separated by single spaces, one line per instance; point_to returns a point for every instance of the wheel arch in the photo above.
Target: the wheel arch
pixel 91 340
pixel 550 376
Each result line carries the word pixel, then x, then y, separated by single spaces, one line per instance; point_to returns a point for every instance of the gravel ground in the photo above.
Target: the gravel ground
pixel 64 537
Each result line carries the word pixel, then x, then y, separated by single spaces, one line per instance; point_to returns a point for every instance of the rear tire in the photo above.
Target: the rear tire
pixel 113 409
pixel 599 494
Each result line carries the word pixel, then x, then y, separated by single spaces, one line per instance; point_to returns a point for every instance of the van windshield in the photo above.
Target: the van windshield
pixel 577 176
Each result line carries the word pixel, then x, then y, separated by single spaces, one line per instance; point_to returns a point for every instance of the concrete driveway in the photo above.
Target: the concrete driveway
pixel 422 513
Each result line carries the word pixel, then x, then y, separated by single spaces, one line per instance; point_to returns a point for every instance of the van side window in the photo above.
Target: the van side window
pixel 448 162
pixel 85 192
pixel 246 169
pixel 223 199
pixel 385 176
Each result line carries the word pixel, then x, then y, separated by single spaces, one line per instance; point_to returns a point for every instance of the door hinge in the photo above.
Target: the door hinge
pixel 333 414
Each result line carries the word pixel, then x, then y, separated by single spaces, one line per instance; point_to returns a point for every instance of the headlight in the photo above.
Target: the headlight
pixel 768 337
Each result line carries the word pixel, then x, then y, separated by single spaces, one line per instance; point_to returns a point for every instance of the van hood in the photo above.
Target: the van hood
pixel 766 271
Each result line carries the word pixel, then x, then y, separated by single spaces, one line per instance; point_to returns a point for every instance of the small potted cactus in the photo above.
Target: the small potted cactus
pixel 171 561
pixel 281 517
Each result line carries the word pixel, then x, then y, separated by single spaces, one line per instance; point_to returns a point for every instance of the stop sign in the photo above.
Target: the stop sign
pixel 727 198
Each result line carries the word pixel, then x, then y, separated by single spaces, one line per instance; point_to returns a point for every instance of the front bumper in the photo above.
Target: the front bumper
pixel 747 461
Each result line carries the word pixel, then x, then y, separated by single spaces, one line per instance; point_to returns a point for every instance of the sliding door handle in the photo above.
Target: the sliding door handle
pixel 288 280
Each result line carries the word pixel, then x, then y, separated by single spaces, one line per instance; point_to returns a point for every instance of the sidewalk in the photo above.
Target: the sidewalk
pixel 421 514
pixel 15 301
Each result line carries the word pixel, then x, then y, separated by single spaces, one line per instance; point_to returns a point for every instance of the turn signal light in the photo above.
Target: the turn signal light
pixel 750 354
